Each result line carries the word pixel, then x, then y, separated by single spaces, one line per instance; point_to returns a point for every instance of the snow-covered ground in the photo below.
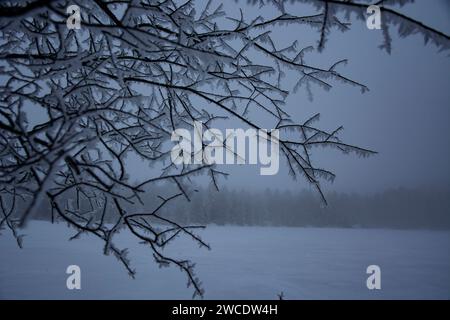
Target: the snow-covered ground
pixel 244 263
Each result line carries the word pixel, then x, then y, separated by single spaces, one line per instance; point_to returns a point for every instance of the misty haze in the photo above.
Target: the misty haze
pixel 354 173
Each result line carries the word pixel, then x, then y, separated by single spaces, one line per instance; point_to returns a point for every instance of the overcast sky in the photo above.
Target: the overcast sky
pixel 405 116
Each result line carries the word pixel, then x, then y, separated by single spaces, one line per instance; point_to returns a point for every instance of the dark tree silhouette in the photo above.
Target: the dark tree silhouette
pixel 135 71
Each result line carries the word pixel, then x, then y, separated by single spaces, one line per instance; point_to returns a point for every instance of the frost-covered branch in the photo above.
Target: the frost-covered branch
pixel 76 105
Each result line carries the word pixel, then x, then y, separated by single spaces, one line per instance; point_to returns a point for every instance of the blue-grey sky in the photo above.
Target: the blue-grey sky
pixel 405 116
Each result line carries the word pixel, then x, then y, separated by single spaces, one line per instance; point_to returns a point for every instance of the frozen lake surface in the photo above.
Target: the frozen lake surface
pixel 244 263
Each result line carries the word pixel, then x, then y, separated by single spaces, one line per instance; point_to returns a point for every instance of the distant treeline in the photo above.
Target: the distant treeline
pixel 395 208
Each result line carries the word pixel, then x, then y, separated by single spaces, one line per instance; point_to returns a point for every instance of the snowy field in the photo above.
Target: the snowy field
pixel 244 263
